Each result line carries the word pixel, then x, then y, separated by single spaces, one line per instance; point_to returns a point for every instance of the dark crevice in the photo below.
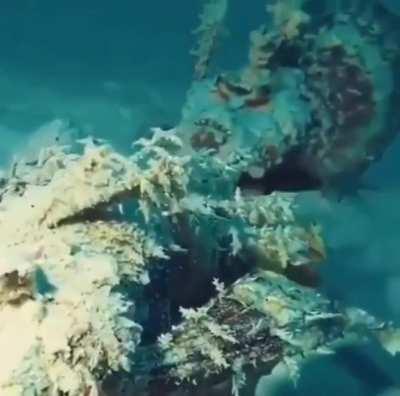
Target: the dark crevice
pixel 105 211
pixel 289 176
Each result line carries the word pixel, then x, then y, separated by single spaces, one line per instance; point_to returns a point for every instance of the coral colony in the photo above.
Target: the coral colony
pixel 185 264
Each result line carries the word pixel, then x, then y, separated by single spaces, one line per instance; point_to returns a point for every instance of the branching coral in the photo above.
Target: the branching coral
pixel 64 255
pixel 259 321
pixel 70 268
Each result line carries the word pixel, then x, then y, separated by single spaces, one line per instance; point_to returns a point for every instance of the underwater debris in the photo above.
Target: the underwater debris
pixel 209 32
pixel 201 204
pixel 260 321
pixel 78 320
pixel 311 106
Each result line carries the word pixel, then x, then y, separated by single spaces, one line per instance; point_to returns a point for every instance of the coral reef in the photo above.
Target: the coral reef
pixel 258 322
pixel 64 324
pixel 73 256
pixel 312 103
pixel 195 236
